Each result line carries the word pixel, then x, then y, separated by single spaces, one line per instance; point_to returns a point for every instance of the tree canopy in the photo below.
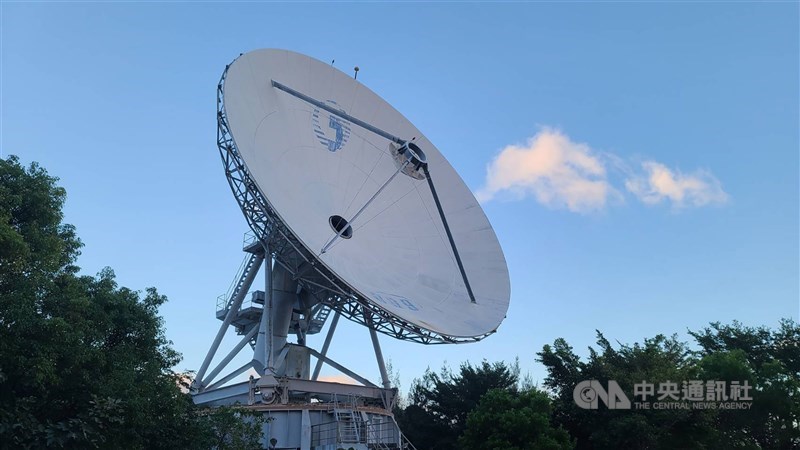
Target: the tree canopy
pixel 484 407
pixel 84 363
pixel 507 420
pixel 657 359
pixel 768 360
pixel 481 406
pixel 440 402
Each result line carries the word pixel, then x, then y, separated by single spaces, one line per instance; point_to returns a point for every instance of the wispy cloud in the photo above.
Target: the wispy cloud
pixel 553 169
pixel 659 184
pixel 561 173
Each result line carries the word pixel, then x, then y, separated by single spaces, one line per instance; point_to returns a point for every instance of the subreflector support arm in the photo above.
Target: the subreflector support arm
pixel 401 142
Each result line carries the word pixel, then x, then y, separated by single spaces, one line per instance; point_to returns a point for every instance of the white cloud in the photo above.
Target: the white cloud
pixel 659 183
pixel 560 173
pixel 338 378
pixel 553 169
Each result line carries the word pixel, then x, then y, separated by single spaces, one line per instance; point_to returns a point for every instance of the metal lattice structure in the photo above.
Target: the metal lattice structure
pixel 287 250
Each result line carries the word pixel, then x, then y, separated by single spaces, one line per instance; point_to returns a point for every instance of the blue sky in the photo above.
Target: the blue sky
pixel 639 162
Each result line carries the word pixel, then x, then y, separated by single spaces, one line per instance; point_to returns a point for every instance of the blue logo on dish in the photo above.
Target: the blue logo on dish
pixel 398 301
pixel 331 131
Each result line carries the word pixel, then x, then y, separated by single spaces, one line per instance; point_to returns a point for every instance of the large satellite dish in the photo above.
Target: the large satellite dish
pixel 356 203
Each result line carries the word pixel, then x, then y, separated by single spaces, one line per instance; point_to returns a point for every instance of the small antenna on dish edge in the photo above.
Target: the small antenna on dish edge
pixel 355 75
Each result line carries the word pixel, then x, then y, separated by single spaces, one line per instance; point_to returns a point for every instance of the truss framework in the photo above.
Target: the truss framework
pixel 305 267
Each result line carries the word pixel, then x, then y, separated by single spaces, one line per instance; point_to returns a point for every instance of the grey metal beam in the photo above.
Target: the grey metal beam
pixel 283 296
pixel 325 345
pixel 280 359
pixel 378 353
pixel 358 213
pixel 305 430
pixel 224 395
pixel 222 364
pixel 449 234
pixel 262 352
pixel 231 375
pixel 234 309
pixel 342 369
pixel 325 387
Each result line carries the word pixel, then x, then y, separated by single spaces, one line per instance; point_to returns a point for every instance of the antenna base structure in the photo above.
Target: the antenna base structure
pixel 304 411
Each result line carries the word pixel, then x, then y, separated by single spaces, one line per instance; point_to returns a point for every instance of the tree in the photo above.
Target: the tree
pixel 657 359
pixel 507 420
pixel 84 363
pixel 230 428
pixel 34 244
pixel 770 361
pixel 439 403
pixel 767 360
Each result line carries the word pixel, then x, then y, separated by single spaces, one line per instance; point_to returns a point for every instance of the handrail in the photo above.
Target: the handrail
pixel 223 300
pixel 331 433
pixel 405 443
pixel 249 238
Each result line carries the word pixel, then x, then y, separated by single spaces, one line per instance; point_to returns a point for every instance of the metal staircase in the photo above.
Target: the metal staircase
pixel 349 425
pixel 348 422
pixel 355 426
pixel 225 301
pixel 375 434
pixel 318 318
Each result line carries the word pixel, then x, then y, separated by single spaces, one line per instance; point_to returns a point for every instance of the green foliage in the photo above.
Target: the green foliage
pixel 34 244
pixel 768 360
pixel 439 403
pixel 507 420
pixel 84 363
pixel 230 428
pixel 657 359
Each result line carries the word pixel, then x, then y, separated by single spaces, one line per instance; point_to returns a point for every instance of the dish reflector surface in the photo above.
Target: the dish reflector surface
pixel 313 166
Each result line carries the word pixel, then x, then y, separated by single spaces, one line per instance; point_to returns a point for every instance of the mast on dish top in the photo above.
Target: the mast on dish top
pixel 353 213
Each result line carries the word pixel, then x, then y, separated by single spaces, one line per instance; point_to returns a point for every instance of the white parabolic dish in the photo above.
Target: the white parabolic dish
pixel 311 167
